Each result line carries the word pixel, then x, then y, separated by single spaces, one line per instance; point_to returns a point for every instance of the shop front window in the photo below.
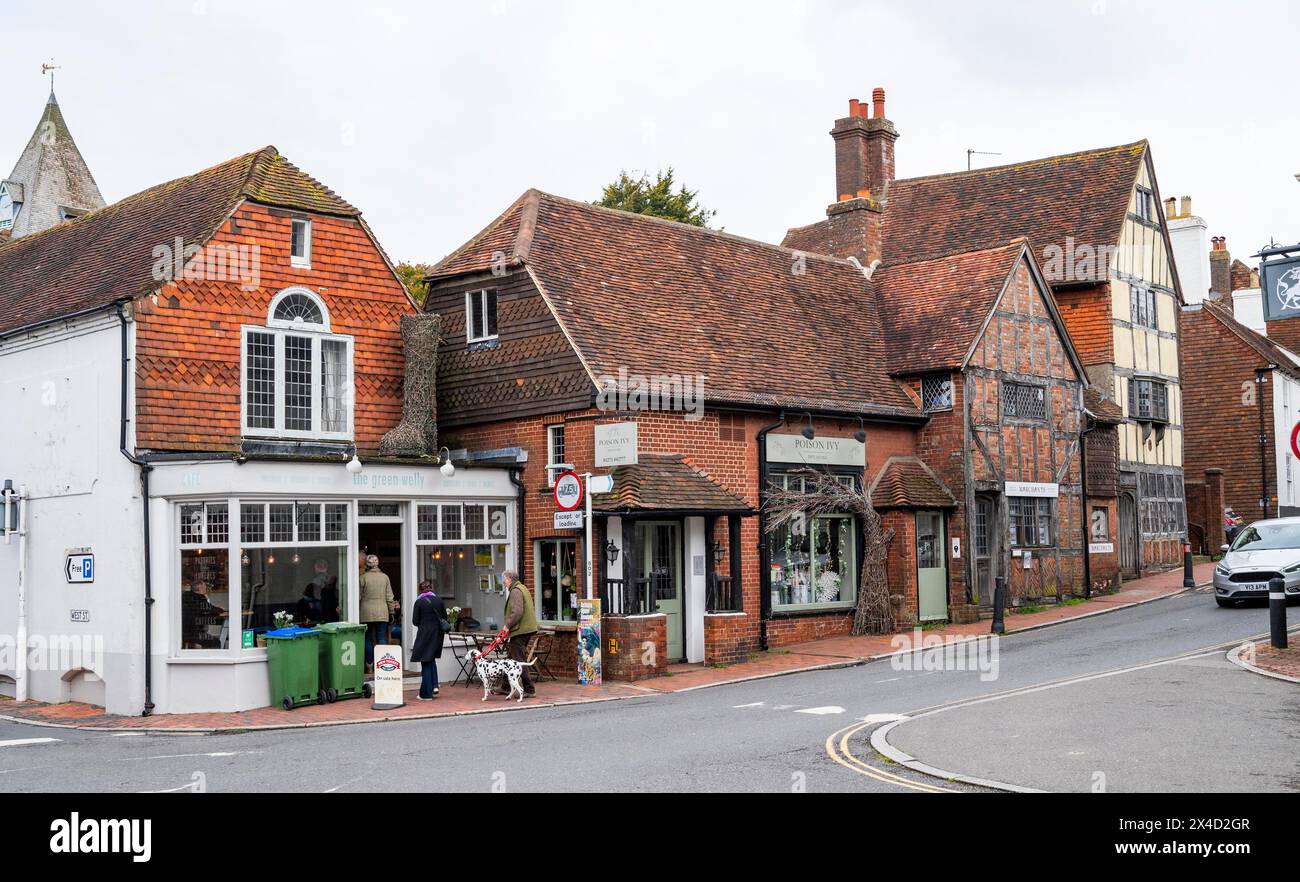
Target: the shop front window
pixel 294 561
pixel 464 551
pixel 205 576
pixel 814 560
pixel 556 580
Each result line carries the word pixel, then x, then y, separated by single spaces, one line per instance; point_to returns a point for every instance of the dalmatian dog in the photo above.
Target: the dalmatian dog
pixel 489 669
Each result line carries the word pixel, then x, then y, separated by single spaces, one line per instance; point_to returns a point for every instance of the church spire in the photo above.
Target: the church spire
pixel 51 182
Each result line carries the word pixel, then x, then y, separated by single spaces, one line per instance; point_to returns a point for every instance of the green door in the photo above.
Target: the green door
pixel 931 567
pixel 661 567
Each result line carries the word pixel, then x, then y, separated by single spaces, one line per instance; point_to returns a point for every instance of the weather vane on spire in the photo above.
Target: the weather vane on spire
pixel 50 68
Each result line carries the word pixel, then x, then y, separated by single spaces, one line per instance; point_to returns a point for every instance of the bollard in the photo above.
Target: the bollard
pixel 1277 612
pixel 999 605
pixel 1189 578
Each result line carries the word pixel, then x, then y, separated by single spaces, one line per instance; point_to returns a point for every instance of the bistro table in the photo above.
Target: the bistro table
pixel 461 644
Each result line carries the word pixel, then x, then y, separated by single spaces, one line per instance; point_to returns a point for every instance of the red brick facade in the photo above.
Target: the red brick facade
pixel 188 336
pixel 1222 417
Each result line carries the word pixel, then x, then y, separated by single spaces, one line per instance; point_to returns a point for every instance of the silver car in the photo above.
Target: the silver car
pixel 1262 551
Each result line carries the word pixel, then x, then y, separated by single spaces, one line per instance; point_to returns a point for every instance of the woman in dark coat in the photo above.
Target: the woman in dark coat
pixel 428 616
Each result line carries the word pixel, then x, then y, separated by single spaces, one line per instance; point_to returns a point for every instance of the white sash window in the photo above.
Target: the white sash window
pixel 296 376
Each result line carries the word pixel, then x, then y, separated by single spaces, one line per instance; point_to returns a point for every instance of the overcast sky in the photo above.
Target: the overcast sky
pixel 432 117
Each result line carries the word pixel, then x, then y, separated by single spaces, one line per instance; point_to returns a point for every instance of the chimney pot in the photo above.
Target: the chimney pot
pixel 1171 207
pixel 878 103
pixel 864 194
pixel 854 107
pixel 1187 207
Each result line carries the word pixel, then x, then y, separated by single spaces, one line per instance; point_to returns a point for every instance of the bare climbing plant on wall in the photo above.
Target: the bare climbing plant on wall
pixel 825 494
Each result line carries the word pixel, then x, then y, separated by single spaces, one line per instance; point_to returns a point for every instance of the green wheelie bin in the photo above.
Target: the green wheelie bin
pixel 342 661
pixel 293 656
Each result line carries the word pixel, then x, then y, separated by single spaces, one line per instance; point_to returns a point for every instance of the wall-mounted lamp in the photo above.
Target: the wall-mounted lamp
pixel 448 470
pixel 718 553
pixel 611 552
pixel 808 431
pixel 860 435
pixel 354 465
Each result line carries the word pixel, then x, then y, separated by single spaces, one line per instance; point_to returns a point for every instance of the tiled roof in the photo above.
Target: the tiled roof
pixel 667 484
pixel 1103 410
pixel 108 255
pixel 764 325
pixel 934 310
pixel 907 482
pixel 1269 351
pixel 1080 195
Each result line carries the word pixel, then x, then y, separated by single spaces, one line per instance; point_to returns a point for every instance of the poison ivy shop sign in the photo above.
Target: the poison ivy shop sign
pixel 796 449
pixel 1280 281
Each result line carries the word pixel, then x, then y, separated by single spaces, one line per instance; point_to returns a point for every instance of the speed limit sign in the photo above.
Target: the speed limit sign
pixel 1295 440
pixel 568 492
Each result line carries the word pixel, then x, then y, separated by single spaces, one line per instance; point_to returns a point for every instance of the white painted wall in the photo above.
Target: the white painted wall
pixel 697 549
pixel 1248 308
pixel 1286 413
pixel 59 394
pixel 1191 256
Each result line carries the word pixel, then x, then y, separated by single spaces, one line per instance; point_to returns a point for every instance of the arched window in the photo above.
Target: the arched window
pixel 298 308
pixel 297 376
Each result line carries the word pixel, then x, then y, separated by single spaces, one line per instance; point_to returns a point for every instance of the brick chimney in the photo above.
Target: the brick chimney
pixel 1220 269
pixel 864 150
pixel 864 165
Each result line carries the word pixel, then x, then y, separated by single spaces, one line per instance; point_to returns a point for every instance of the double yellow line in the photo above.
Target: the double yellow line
pixel 839 748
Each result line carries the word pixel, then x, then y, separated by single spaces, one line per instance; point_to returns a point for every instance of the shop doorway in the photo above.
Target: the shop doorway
pixel 931 567
pixel 384 540
pixel 661 570
pixel 1129 544
pixel 986 555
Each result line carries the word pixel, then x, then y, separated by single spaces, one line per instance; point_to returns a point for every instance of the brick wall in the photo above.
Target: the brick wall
pixel 727 639
pixel 727 454
pixel 1087 316
pixel 635 647
pixel 1221 406
pixel 188 336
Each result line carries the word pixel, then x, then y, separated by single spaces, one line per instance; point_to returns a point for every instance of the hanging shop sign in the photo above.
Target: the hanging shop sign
pixel 616 445
pixel 796 449
pixel 568 492
pixel 589 673
pixel 1280 284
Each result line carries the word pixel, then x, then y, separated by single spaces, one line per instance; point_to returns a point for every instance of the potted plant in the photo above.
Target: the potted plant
pixel 282 620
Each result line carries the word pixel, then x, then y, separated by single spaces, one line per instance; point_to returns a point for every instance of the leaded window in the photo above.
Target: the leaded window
pixel 1024 401
pixel 936 393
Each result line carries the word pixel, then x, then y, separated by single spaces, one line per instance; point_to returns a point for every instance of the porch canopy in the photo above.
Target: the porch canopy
pixel 666 485
pixel 649 496
pixel 906 482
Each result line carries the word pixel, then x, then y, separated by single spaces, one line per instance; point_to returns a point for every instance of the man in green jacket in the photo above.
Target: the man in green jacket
pixel 521 621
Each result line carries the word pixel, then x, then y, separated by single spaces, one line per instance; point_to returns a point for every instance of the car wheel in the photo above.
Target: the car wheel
pixel 1226 604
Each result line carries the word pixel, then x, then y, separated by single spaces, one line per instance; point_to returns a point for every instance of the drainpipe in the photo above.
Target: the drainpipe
pixel 145 469
pixel 19 498
pixel 764 553
pixel 1083 492
pixel 516 478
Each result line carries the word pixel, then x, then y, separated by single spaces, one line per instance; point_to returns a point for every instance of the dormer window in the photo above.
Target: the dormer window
pixel 300 243
pixel 480 316
pixel 296 375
